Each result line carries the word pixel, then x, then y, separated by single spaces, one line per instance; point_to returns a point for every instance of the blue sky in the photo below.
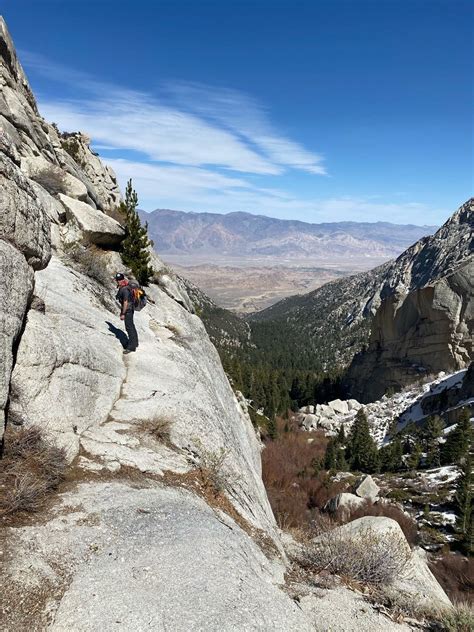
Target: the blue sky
pixel 321 111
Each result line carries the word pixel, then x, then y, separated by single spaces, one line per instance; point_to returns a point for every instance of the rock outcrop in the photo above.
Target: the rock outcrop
pixel 65 372
pixel 415 579
pixel 422 332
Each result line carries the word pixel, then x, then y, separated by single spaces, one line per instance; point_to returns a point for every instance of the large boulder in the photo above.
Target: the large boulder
pixel 339 406
pixel 343 504
pixel 368 489
pixel 94 227
pixel 416 579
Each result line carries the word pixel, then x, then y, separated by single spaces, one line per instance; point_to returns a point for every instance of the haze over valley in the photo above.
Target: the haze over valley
pixel 247 262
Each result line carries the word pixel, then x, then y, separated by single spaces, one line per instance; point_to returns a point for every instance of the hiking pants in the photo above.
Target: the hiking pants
pixel 131 332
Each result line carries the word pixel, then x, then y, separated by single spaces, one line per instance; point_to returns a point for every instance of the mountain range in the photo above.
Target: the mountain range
pixel 244 234
pixel 421 302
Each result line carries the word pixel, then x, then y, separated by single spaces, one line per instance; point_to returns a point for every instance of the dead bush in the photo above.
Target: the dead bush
pixel 455 573
pixel 388 510
pixel 211 465
pixel 158 427
pixel 31 468
pixel 91 263
pixel 295 485
pixel 367 557
pixel 51 178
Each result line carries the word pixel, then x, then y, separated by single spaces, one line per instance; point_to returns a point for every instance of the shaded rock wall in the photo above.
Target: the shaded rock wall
pixel 418 333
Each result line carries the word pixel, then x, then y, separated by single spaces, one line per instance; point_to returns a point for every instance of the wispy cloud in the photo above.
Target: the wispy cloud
pixel 201 126
pixel 199 148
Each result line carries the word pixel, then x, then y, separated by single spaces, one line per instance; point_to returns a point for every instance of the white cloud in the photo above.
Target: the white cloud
pixel 201 126
pixel 247 118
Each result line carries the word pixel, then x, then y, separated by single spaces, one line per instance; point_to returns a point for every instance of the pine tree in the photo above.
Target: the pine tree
pixel 272 428
pixel 463 501
pixel 330 459
pixel 432 433
pixel 341 436
pixel 458 440
pixel 362 453
pixel 134 248
pixel 414 458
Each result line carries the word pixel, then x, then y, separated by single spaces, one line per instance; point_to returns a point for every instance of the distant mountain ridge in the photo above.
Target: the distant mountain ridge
pixel 334 321
pixel 240 233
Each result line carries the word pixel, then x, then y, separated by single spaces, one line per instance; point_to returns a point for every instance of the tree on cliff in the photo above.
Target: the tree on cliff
pixel 362 453
pixel 134 248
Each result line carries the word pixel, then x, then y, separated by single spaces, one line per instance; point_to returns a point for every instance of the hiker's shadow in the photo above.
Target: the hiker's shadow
pixel 118 333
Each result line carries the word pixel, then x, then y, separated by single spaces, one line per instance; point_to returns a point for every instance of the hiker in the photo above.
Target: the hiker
pixel 125 298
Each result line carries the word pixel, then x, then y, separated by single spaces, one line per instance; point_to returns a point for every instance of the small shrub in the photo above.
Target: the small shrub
pixel 71 146
pixel 91 263
pixel 399 495
pixel 399 605
pixel 31 468
pixel 177 333
pixel 388 510
pixel 211 465
pixel 52 178
pixel 158 427
pixel 367 557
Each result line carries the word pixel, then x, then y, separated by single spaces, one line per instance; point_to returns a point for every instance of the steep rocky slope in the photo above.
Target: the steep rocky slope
pixel 61 335
pixel 170 533
pixel 335 320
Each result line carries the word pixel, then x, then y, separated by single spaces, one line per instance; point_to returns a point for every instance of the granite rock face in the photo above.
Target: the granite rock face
pixel 421 332
pixel 173 563
pixel 29 214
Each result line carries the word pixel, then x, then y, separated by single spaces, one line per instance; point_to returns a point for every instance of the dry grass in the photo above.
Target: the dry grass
pixel 388 510
pixel 367 557
pixel 116 214
pixel 158 427
pixel 459 619
pixel 52 179
pixel 31 468
pixel 177 333
pixel 211 468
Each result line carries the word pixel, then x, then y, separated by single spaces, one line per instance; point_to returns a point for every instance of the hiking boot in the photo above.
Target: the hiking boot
pixel 125 351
